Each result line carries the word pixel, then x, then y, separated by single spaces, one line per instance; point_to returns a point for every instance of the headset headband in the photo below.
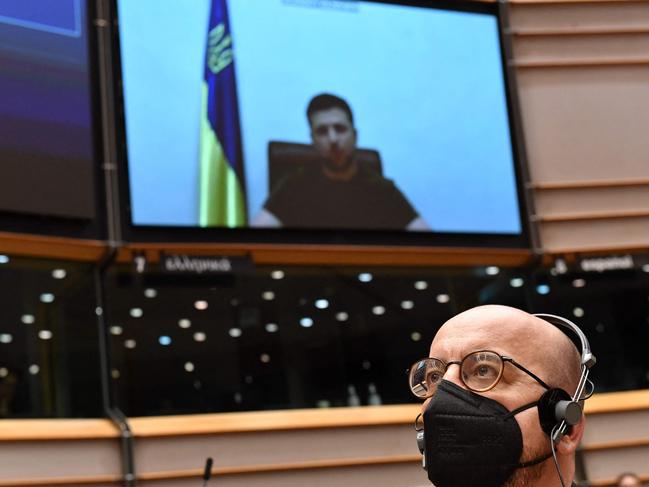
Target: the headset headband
pixel 587 361
pixel 587 358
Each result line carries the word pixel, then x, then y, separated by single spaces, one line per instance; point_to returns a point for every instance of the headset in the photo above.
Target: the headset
pixel 558 410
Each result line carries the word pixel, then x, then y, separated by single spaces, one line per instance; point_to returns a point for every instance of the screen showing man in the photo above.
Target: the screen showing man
pixel 429 137
pixel 338 191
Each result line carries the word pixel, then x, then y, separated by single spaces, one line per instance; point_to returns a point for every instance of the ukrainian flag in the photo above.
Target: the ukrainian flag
pixel 222 182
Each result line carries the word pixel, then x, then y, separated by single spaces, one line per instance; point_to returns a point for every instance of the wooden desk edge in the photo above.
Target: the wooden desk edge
pixel 250 422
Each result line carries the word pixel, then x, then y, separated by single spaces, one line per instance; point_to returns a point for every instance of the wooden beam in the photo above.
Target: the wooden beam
pixel 52 247
pixel 590 184
pixel 312 254
pixel 592 215
pixel 283 467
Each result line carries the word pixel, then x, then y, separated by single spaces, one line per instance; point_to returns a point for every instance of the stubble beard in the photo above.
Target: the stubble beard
pixel 529 476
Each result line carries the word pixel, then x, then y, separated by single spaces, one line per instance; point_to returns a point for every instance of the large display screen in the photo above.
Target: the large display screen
pixel 46 128
pixel 408 124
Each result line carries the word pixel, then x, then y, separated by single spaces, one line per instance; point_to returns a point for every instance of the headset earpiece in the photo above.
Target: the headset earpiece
pixel 557 407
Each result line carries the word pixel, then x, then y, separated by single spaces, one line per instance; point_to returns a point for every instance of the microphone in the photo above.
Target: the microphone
pixel 207 473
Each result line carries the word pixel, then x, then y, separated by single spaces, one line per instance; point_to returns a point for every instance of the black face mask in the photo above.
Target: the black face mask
pixel 471 440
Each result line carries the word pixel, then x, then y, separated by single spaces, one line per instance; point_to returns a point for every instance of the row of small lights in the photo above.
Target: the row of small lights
pixel 305 322
pixel 28 319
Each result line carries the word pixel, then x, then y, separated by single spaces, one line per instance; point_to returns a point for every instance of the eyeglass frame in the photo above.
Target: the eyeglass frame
pixel 504 359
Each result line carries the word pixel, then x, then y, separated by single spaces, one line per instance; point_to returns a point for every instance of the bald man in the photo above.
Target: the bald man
pixel 628 479
pixel 487 369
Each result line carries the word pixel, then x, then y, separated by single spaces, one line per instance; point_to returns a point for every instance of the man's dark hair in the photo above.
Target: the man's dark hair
pixel 326 101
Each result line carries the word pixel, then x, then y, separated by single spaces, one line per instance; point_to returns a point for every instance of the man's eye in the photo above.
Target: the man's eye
pixel 434 377
pixel 484 371
pixel 341 129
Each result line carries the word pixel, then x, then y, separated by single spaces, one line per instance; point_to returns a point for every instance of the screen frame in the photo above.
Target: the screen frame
pixel 93 228
pixel 133 233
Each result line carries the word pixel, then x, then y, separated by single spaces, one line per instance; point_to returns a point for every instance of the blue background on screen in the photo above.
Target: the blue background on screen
pixel 61 16
pixel 44 84
pixel 425 85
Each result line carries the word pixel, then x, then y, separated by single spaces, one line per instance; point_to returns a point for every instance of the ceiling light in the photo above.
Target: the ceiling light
pixel 378 310
pixel 265 358
pixel 277 274
pixel 268 295
pixel 6 338
pixel 415 336
pixel 271 327
pixel 116 330
pixel 365 277
pixel 516 282
pixel 342 316
pixel 27 319
pixel 4 372
pixel 4 259
pixel 443 298
pixel 34 369
pixel 184 323
pixel 306 322
pixel 47 298
pixel 59 273
pixel 164 340
pixel 235 332
pixel 130 343
pixel 407 304
pixel 492 270
pixel 199 336
pixel 150 293
pixel 543 289
pixel 136 312
pixel 578 312
pixel 321 303
pixel 201 305
pixel 115 374
pixel 579 283
pixel 421 285
pixel 189 367
pixel 45 334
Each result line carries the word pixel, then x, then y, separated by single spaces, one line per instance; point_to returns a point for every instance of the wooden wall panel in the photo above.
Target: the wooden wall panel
pixel 93 459
pixel 609 464
pixel 586 123
pixel 583 80
pixel 576 47
pixel 588 200
pixel 573 16
pixel 594 235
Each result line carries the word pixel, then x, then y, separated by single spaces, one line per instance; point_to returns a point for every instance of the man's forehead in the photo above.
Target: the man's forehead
pixel 330 116
pixel 501 329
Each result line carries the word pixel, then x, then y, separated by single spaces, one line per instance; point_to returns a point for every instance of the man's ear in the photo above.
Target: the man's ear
pixel 568 443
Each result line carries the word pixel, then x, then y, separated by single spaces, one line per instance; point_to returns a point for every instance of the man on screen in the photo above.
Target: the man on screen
pixel 338 192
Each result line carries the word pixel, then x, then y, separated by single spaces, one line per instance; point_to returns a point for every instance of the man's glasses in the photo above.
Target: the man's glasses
pixel 479 371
